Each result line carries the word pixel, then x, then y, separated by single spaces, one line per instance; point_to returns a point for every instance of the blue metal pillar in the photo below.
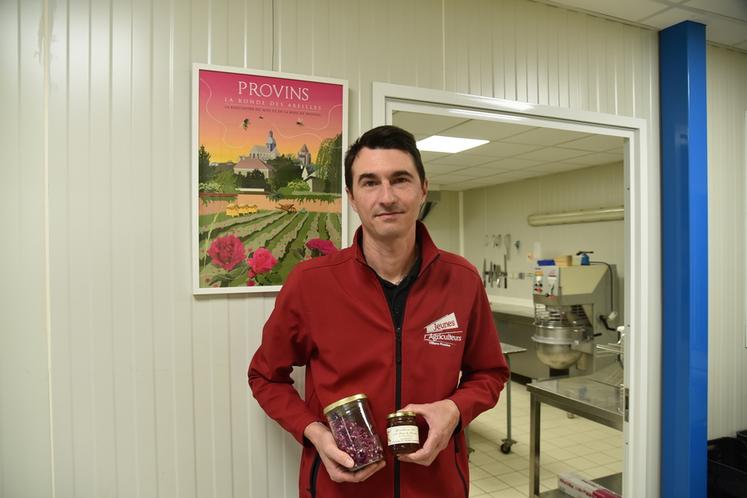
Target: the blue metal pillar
pixel 684 221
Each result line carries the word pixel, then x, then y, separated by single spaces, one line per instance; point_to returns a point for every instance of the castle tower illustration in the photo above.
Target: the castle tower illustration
pixel 271 144
pixel 304 156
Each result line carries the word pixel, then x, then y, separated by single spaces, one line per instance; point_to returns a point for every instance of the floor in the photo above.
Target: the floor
pixel 566 444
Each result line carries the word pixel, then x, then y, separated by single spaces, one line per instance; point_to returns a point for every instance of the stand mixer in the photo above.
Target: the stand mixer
pixel 574 307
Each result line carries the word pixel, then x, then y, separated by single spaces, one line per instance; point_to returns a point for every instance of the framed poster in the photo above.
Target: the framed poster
pixel 267 175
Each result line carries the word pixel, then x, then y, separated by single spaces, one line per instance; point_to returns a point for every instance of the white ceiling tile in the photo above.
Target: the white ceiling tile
pixel 503 149
pixel 552 154
pixel 450 178
pixel 484 170
pixel 673 16
pixel 477 183
pixel 424 124
pixel 441 169
pixel 557 167
pixel 486 130
pixel 512 176
pixel 630 10
pixel 731 8
pixel 596 159
pixel 427 156
pixel 545 136
pixel 723 17
pixel 461 159
pixel 727 32
pixel 512 164
pixel 594 143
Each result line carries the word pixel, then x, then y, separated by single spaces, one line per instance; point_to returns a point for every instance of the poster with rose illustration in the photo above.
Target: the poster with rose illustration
pixel 267 175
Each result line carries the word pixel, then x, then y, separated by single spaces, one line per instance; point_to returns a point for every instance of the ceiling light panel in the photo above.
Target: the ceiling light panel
pixel 452 145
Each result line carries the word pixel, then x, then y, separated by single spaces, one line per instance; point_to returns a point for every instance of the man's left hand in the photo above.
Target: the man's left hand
pixel 442 418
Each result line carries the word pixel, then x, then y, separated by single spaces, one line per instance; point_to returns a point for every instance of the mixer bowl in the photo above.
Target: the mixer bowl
pixel 557 356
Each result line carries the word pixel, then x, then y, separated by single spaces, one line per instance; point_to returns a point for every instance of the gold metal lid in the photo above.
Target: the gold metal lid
pixel 401 414
pixel 343 401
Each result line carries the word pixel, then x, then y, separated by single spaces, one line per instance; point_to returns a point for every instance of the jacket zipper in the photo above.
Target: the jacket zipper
pixel 398 367
pixel 313 475
pixel 459 471
pixel 398 391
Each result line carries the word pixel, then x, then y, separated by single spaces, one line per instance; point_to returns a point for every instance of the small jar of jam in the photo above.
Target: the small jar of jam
pixel 402 432
pixel 351 424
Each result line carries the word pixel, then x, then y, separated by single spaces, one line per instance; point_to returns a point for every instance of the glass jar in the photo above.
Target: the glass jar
pixel 352 427
pixel 402 432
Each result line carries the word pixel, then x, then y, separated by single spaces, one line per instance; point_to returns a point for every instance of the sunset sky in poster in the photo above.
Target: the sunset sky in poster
pixel 277 104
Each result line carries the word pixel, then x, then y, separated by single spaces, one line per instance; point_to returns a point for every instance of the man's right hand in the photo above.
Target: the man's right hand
pixel 336 461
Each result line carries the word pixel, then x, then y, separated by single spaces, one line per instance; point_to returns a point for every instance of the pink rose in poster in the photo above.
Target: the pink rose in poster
pixel 226 252
pixel 321 247
pixel 262 261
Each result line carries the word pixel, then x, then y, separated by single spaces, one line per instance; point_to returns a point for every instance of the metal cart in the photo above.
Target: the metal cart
pixel 508 350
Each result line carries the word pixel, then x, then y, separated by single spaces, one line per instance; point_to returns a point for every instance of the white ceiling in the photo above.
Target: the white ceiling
pixel 725 20
pixel 514 152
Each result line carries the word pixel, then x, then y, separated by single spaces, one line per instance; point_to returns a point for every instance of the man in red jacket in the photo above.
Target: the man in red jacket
pixel 393 317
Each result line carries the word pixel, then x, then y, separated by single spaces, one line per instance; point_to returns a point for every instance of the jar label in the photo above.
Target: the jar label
pixel 402 434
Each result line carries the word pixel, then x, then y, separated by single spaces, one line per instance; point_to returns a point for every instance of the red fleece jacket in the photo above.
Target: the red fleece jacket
pixel 332 317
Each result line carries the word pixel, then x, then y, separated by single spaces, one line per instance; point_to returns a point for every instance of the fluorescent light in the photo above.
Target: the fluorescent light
pixel 582 216
pixel 438 143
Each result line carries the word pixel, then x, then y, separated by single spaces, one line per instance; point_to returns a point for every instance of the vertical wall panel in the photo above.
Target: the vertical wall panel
pixel 25 446
pixel 163 215
pixel 61 343
pixel 727 355
pixel 79 240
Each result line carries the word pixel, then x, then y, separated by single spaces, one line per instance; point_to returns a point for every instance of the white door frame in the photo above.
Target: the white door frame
pixel 642 362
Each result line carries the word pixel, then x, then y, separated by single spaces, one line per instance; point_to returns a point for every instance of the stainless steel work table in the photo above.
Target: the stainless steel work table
pixel 581 396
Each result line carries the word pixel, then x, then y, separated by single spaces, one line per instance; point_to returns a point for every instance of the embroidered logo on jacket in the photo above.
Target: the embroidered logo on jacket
pixel 443 332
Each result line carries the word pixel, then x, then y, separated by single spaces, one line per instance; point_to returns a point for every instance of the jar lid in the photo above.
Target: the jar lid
pixel 343 401
pixel 401 414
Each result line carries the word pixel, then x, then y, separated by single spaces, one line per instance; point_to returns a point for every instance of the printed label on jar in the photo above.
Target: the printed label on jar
pixel 402 434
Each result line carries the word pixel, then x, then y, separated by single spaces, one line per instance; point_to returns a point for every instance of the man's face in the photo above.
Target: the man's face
pixel 386 192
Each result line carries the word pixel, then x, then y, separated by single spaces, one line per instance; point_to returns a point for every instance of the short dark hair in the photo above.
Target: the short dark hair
pixel 383 137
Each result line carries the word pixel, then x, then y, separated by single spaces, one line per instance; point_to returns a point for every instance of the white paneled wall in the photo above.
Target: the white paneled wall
pixel 443 222
pixel 503 209
pixel 116 381
pixel 727 224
